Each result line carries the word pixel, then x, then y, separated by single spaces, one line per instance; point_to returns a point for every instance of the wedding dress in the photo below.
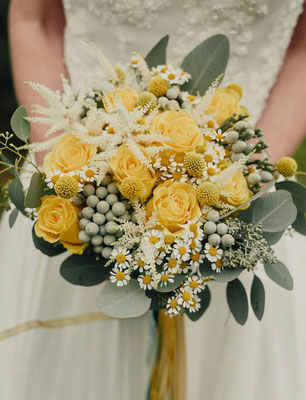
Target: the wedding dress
pixel 110 359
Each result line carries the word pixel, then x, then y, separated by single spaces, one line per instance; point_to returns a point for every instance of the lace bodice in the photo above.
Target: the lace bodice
pixel 259 33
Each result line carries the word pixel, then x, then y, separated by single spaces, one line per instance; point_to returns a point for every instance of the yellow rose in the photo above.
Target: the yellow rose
pixel 237 190
pixel 176 203
pixel 69 154
pixel 125 164
pixel 181 128
pixel 128 97
pixel 58 221
pixel 225 103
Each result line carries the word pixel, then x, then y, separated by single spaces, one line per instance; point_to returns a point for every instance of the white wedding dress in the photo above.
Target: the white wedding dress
pixel 110 359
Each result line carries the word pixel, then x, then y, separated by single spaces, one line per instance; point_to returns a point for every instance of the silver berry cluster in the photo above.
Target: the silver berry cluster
pixel 217 232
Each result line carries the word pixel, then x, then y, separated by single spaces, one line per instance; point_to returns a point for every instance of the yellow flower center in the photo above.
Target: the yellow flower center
pixel 219 263
pixel 173 303
pixel 171 76
pixel 140 263
pixel 147 279
pixel 193 303
pixel 179 157
pixel 153 239
pixel 193 227
pixel 211 171
pixel 208 158
pixel 192 245
pixel 182 250
pixel 169 239
pixel 89 173
pixel 219 136
pixel 193 284
pixel 163 70
pixel 134 62
pixel 210 124
pixel 165 162
pixel 183 265
pixel 54 178
pixel 172 263
pixel 208 138
pixel 120 258
pixel 177 175
pixel 120 276
pixel 186 296
pixel 195 257
pixel 213 251
pixel 190 97
pixel 164 278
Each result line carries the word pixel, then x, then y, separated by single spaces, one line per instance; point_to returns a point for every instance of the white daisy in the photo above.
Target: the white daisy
pixel 173 307
pixel 211 170
pixel 195 304
pixel 154 237
pixel 217 266
pixel 185 298
pixel 196 259
pixel 121 278
pixel 52 177
pixel 88 174
pixel 145 281
pixel 213 253
pixel 195 283
pixel 122 257
pixel 139 263
pixel 172 266
pixel 181 250
pixel 164 278
pixel 187 97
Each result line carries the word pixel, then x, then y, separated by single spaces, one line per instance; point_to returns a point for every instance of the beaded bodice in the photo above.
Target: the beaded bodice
pixel 259 33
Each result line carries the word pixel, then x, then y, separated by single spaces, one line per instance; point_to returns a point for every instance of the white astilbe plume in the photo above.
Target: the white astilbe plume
pixel 199 110
pixel 63 110
pixel 143 69
pixel 110 73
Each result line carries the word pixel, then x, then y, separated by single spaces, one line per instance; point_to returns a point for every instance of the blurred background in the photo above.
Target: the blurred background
pixel 8 101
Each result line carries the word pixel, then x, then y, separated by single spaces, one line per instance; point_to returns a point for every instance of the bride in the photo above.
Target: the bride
pixel 110 359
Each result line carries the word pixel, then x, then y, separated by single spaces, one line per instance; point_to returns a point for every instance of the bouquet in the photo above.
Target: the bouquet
pixel 157 185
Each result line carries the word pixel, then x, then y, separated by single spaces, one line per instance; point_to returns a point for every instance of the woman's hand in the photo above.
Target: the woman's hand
pixel 36 30
pixel 284 119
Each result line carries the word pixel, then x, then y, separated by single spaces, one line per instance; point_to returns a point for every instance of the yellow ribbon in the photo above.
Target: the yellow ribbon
pixel 168 379
pixel 53 323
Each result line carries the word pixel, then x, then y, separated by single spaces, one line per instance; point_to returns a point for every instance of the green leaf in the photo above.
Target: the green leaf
pixel 300 224
pixel 298 193
pixel 279 274
pixel 123 302
pixel 20 126
pixel 84 270
pixel 12 217
pixel 275 211
pixel 157 56
pixel 272 237
pixel 178 279
pixel 227 275
pixel 247 215
pixel 16 194
pixel 237 301
pixel 205 63
pixel 35 191
pixel 47 248
pixel 205 297
pixel 258 297
pixel 8 161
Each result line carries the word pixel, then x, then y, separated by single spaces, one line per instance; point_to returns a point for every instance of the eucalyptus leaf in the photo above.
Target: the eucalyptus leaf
pixel 178 279
pixel 205 297
pixel 84 270
pixel 35 191
pixel 8 161
pixel 237 301
pixel 157 56
pixel 300 224
pixel 298 193
pixel 275 211
pixel 226 275
pixel 20 126
pixel 279 273
pixel 258 297
pixel 128 301
pixel 12 217
pixel 272 237
pixel 205 63
pixel 16 194
pixel 47 248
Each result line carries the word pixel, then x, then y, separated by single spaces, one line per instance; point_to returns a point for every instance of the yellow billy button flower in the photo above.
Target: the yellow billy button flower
pixel 66 187
pixel 194 164
pixel 131 188
pixel 208 193
pixel 158 86
pixel 147 100
pixel 286 166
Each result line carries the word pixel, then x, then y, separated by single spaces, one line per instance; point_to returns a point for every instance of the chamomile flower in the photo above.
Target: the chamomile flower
pixel 122 258
pixel 170 167
pixel 185 298
pixel 195 283
pixel 217 265
pixel 181 250
pixel 194 230
pixel 184 267
pixel 187 97
pixel 174 76
pixel 139 263
pixel 134 62
pixel 121 278
pixel 172 266
pixel 220 136
pixel 154 237
pixel 213 253
pixel 196 259
pixel 88 174
pixel 145 281
pixel 173 307
pixel 211 171
pixel 52 177
pixel 195 304
pixel 164 278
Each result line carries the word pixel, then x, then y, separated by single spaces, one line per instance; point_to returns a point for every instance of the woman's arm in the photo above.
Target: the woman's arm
pixel 36 30
pixel 284 119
